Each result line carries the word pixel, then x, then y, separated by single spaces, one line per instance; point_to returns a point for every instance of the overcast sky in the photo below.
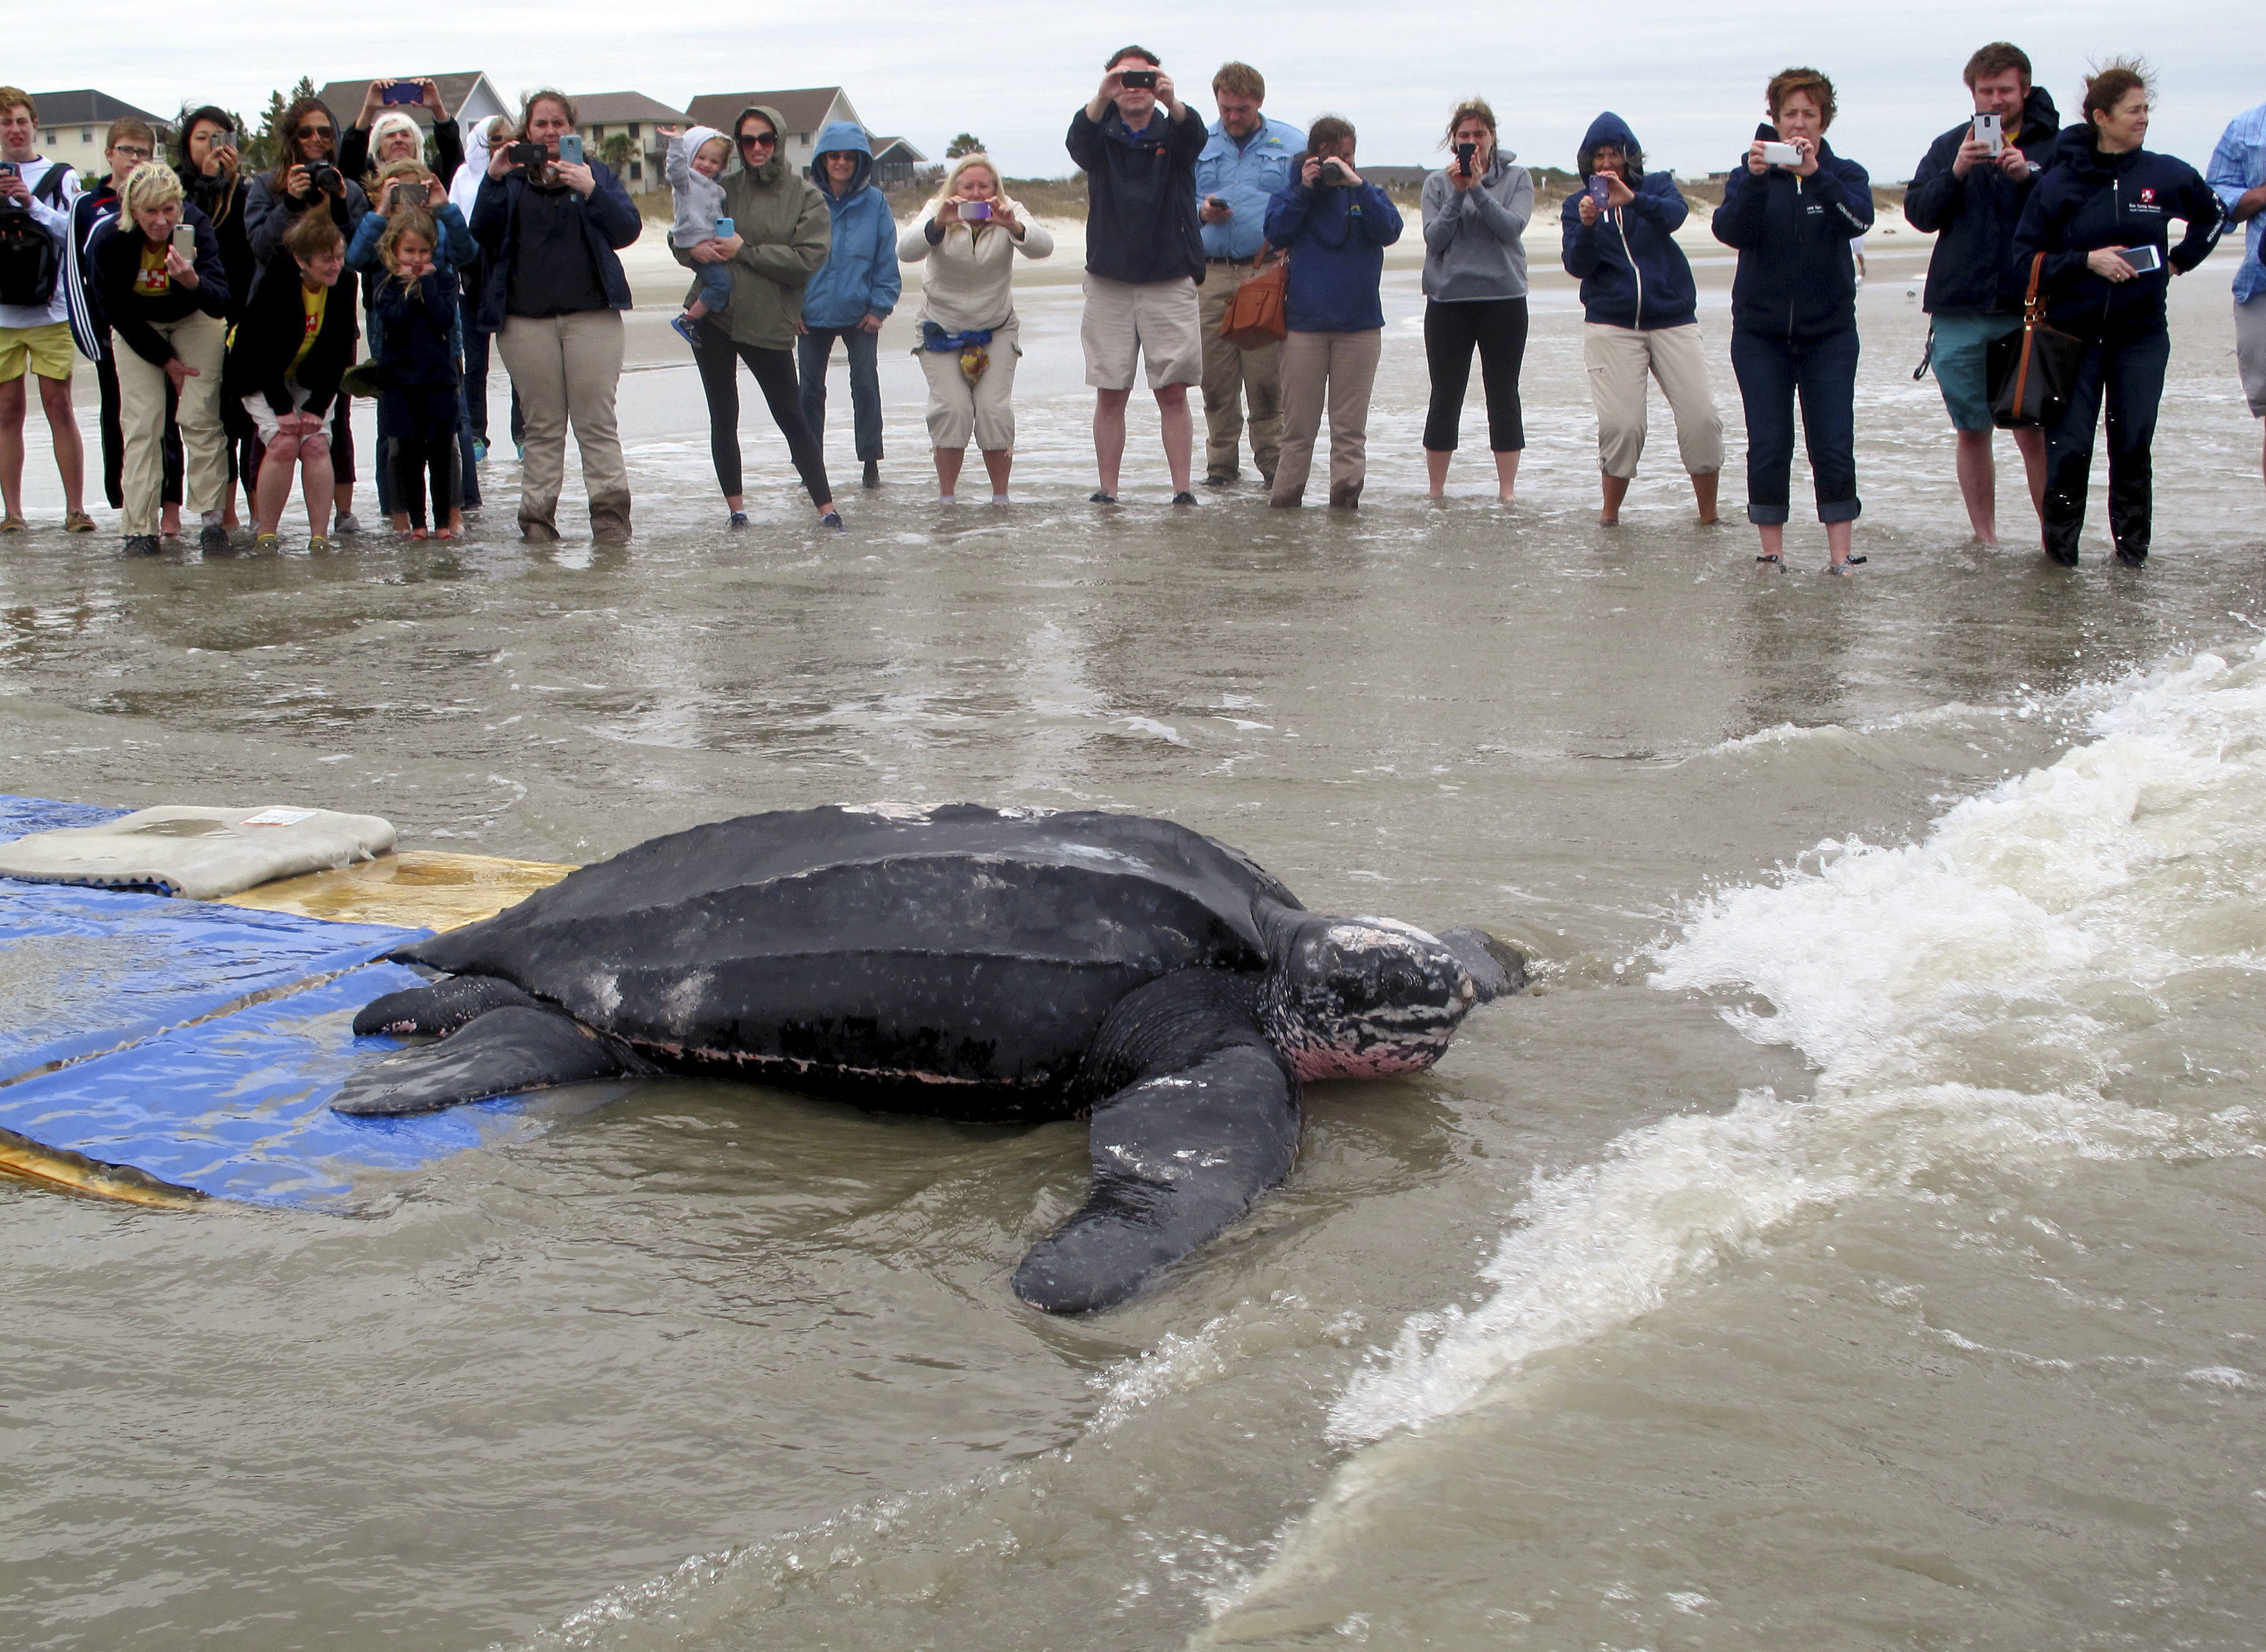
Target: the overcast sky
pixel 1688 77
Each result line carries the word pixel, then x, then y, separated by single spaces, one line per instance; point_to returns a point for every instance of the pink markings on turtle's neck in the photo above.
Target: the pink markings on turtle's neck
pixel 1314 1062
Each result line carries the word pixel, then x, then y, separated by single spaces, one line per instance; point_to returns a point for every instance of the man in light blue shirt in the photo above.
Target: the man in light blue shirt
pixel 2238 174
pixel 1245 161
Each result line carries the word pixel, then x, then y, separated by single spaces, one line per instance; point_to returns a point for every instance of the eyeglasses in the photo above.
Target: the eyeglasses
pixel 314 131
pixel 759 140
pixel 132 151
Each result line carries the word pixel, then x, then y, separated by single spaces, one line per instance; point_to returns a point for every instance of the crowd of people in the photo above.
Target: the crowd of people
pixel 207 297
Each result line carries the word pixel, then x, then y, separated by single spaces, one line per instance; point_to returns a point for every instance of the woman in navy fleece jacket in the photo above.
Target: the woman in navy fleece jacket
pixel 1335 228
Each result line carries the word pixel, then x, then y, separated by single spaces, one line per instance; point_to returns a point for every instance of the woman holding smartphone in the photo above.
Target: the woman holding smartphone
pixel 1791 209
pixel 212 176
pixel 2099 217
pixel 164 292
pixel 1475 212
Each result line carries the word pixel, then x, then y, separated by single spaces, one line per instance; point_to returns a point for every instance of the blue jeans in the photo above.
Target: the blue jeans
pixel 2129 374
pixel 812 351
pixel 1823 372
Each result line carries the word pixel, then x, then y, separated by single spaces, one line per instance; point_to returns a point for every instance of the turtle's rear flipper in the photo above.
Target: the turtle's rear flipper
pixel 438 1010
pixel 517 1048
pixel 1177 1157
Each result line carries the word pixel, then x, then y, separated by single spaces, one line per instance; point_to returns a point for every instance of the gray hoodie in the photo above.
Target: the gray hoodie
pixel 1473 244
pixel 699 199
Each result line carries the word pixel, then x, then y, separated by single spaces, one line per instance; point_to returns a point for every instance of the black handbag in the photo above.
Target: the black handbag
pixel 2033 372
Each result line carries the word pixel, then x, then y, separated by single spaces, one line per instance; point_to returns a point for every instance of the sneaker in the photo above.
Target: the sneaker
pixel 739 519
pixel 79 522
pixel 479 450
pixel 14 525
pixel 1101 498
pixel 687 329
pixel 346 523
pixel 1219 479
pixel 1184 497
pixel 832 519
pixel 873 473
pixel 318 545
pixel 266 542
pixel 142 544
pixel 212 540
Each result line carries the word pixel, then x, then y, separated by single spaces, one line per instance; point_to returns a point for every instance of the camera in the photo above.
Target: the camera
pixel 1780 155
pixel 1332 175
pixel 524 154
pixel 322 178
pixel 1142 78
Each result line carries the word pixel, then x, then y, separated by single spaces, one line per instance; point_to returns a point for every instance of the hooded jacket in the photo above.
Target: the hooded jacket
pixel 223 197
pixel 267 213
pixel 274 325
pixel 1796 280
pixel 2090 199
pixel 1475 239
pixel 785 231
pixel 1973 218
pixel 1141 223
pixel 609 223
pixel 116 254
pixel 695 199
pixel 859 276
pixel 1631 272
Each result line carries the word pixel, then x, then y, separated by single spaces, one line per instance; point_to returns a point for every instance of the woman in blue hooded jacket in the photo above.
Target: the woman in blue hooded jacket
pixel 1794 311
pixel 1641 311
pixel 853 291
pixel 2104 197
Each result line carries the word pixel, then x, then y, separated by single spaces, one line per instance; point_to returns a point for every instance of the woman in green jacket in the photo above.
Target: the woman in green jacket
pixel 781 231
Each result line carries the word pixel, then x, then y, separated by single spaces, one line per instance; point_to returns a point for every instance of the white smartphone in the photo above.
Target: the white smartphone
pixel 1781 154
pixel 1987 130
pixel 185 241
pixel 2146 259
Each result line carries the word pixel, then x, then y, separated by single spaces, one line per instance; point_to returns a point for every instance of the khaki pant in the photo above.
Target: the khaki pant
pixel 984 409
pixel 1618 358
pixel 1340 368
pixel 1231 374
pixel 197 339
pixel 566 369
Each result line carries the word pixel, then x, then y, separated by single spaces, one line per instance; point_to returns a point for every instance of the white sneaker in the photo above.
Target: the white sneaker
pixel 347 522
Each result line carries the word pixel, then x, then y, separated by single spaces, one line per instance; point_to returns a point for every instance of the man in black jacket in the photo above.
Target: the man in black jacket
pixel 1144 258
pixel 1970 195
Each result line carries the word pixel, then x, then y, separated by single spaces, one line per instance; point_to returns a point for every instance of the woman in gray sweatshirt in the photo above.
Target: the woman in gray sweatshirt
pixel 1475 212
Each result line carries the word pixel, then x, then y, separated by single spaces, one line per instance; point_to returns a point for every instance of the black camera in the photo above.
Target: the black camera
pixel 1144 77
pixel 323 178
pixel 1332 176
pixel 529 155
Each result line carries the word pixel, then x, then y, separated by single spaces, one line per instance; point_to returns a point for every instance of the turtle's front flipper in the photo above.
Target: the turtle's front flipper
pixel 439 1009
pixel 1178 1154
pixel 517 1048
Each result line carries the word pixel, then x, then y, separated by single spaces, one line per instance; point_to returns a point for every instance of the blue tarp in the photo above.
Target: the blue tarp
pixel 234 1104
pixel 239 1105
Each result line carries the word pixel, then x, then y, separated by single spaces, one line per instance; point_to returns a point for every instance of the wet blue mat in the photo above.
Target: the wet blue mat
pixel 19 815
pixel 239 1106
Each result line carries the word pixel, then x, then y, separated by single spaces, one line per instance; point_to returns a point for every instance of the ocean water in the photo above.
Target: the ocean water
pixel 1854 1239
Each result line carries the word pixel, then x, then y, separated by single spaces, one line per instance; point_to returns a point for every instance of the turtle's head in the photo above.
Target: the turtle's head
pixel 1367 998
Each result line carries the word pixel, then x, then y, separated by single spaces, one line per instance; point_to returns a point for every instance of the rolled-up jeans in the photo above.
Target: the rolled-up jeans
pixel 566 369
pixel 197 339
pixel 812 353
pixel 1771 371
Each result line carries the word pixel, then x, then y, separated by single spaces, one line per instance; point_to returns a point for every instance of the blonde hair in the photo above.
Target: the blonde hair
pixel 951 186
pixel 404 168
pixel 150 186
pixel 408 221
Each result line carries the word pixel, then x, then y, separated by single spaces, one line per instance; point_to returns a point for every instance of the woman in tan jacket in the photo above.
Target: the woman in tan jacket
pixel 781 231
pixel 968 237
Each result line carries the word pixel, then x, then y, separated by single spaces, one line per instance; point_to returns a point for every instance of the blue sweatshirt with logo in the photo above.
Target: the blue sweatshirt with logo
pixel 1336 238
pixel 2090 199
pixel 1631 272
pixel 1796 280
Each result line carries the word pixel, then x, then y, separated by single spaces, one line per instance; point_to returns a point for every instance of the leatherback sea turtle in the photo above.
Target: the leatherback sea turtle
pixel 1009 965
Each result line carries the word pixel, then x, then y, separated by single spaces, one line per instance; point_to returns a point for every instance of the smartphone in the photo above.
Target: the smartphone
pixel 977 210
pixel 402 91
pixel 224 141
pixel 725 230
pixel 1214 201
pixel 1600 190
pixel 1146 78
pixel 525 154
pixel 1988 130
pixel 185 241
pixel 2146 259
pixel 570 149
pixel 8 169
pixel 1780 155
pixel 1463 153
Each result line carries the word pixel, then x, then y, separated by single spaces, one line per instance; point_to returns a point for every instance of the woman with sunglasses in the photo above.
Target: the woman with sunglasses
pixel 306 177
pixel 553 296
pixel 781 234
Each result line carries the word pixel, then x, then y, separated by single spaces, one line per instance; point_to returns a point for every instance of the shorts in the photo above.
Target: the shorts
pixel 2250 351
pixel 46 349
pixel 1962 360
pixel 1158 320
pixel 265 417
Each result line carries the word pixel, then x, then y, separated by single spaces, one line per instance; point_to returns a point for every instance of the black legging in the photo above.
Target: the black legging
pixel 1497 328
pixel 774 371
pixel 424 422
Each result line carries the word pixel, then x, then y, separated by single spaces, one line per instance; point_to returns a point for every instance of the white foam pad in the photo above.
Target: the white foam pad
pixel 201 853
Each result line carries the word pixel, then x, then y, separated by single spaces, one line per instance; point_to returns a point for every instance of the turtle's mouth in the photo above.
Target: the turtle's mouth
pixel 1364 1050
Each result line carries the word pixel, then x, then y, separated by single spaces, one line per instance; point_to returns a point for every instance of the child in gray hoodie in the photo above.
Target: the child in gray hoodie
pixel 697 158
